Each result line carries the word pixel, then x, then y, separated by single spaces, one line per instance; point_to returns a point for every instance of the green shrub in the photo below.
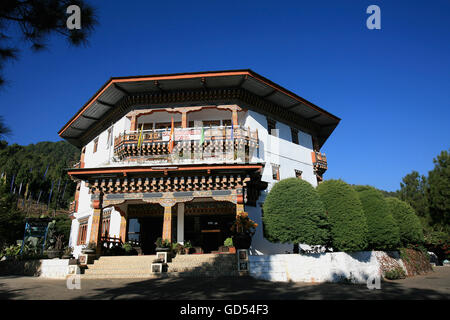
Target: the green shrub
pixel 383 230
pixel 395 274
pixel 348 225
pixel 408 222
pixel 228 242
pixel 293 213
pixel 127 247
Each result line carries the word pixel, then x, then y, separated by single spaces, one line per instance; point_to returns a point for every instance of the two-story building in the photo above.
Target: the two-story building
pixel 177 156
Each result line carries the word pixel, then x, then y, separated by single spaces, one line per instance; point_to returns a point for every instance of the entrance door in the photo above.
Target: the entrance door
pixel 151 229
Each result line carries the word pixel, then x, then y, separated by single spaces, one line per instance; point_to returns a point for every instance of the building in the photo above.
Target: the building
pixel 177 156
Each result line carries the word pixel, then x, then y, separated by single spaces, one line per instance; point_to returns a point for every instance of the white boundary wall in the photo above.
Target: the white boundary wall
pixel 322 267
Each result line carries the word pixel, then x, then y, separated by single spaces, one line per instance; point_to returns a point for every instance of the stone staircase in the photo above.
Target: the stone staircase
pixel 193 265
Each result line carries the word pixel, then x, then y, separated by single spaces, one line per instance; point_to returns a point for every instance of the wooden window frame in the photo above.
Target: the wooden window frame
pixel 271 124
pixel 106 226
pixel 294 135
pixel 95 145
pixel 275 172
pixel 82 233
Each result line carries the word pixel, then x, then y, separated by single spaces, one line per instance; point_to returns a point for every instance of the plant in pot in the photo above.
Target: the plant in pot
pixel 187 246
pixel 55 247
pixel 162 245
pixel 67 253
pixel 229 244
pixel 243 229
pixel 89 248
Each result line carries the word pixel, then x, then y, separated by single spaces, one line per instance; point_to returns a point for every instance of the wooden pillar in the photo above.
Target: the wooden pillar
pixel 239 203
pixel 96 225
pixel 234 117
pixel 167 223
pixel 180 222
pixel 184 122
pixel 133 123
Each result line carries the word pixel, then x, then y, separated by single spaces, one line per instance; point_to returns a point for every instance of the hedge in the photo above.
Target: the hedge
pixel 348 225
pixel 294 213
pixel 383 230
pixel 408 222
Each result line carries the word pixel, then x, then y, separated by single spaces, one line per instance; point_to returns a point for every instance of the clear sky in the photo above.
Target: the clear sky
pixel 390 87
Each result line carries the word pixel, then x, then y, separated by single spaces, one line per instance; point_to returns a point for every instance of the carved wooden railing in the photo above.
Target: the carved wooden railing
pixel 188 144
pixel 319 162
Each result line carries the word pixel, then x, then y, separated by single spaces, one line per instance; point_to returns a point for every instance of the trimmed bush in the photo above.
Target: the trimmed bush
pixel 408 222
pixel 348 225
pixel 293 213
pixel 383 230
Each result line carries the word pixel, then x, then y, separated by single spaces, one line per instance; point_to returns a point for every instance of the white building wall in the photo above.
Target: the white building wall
pixel 277 150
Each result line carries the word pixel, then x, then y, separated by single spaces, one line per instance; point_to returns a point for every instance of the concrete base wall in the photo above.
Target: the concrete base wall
pixel 356 267
pixel 45 268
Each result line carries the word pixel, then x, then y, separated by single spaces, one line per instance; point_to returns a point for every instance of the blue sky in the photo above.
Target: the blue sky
pixel 390 87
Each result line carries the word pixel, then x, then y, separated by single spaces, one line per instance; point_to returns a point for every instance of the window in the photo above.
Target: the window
pixel 167 125
pixel 105 226
pixel 275 172
pixel 294 133
pixel 298 173
pixel 271 126
pixel 109 141
pixel 95 145
pixel 82 232
pixel 226 123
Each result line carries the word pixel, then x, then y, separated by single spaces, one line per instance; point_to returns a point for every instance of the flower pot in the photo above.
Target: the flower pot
pixel 186 250
pixel 231 249
pixel 158 249
pixel 242 241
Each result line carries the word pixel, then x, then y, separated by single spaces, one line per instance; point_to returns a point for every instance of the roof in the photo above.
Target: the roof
pixel 116 88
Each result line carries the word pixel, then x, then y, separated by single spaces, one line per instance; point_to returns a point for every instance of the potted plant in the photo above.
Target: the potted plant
pixel 89 248
pixel 55 248
pixel 162 245
pixel 229 244
pixel 187 246
pixel 243 229
pixel 67 253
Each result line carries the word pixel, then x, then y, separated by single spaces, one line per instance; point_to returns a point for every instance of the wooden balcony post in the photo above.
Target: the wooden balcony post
pixel 96 226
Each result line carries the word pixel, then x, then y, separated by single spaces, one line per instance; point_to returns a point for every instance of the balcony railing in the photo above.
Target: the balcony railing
pixel 319 162
pixel 190 145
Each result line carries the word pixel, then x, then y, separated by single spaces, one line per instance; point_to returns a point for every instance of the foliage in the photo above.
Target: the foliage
pixel 395 274
pixel 409 224
pixel 11 251
pixel 243 224
pixel 439 190
pixel 127 247
pixel 160 243
pixel 416 262
pixel 37 21
pixel 4 129
pixel 439 243
pixel 348 225
pixel 91 246
pixel 413 190
pixel 383 230
pixel 293 213
pixel 29 164
pixel 12 220
pixel 187 244
pixel 228 242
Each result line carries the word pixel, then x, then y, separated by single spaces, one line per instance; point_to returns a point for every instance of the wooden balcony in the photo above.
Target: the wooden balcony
pixel 319 162
pixel 218 143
